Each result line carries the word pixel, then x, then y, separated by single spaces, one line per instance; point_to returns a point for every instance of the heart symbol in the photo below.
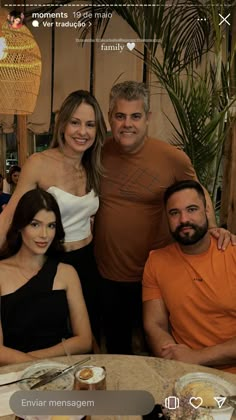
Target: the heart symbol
pixel 196 402
pixel 130 45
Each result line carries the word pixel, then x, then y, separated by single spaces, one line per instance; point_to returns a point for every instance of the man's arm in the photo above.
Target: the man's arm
pixel 224 353
pixel 220 354
pixel 210 210
pixel 155 318
pixel 162 344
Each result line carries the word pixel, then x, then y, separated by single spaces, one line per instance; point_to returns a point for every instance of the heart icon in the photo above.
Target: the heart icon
pixel 130 45
pixel 196 402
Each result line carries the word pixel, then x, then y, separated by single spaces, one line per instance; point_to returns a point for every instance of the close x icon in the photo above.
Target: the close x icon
pixel 224 19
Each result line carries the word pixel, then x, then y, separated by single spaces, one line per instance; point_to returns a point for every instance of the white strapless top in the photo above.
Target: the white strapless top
pixel 75 212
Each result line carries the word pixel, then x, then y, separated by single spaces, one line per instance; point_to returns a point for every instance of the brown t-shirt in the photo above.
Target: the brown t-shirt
pixel 131 219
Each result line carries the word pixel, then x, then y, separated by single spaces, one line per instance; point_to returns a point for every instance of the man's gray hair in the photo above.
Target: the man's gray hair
pixel 130 91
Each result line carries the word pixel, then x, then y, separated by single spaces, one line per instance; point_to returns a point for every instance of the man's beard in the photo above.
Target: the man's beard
pixel 188 238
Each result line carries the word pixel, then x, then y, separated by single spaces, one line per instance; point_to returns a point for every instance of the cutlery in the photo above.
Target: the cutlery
pixel 44 375
pixel 231 400
pixel 56 375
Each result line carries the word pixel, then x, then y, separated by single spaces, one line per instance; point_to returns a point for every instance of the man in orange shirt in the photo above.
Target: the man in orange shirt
pixel 131 217
pixel 189 287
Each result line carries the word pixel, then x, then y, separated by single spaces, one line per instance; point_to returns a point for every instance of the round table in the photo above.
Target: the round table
pixel 136 373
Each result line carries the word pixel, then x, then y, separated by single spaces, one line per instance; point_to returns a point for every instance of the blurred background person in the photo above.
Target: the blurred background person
pixel 9 184
pixel 40 294
pixel 1 183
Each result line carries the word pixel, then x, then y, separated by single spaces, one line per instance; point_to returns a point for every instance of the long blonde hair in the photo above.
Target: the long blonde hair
pixel 91 159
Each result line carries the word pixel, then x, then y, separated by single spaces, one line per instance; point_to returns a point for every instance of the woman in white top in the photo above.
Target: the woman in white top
pixel 70 170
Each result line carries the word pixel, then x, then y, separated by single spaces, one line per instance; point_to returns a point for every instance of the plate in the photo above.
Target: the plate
pixel 218 385
pixel 206 386
pixel 65 382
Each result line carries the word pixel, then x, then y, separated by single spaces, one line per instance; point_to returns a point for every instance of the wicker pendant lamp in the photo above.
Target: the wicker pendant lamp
pixel 20 69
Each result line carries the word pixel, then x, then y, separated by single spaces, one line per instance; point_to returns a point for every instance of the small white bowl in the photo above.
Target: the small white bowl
pixel 65 382
pixel 220 388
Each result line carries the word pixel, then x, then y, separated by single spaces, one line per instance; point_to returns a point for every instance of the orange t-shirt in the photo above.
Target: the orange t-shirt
pixel 131 218
pixel 199 292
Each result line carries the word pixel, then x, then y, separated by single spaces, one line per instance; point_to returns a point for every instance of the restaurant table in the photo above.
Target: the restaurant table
pixel 135 373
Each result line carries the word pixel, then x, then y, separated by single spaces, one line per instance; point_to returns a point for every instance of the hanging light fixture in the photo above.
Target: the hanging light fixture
pixel 20 68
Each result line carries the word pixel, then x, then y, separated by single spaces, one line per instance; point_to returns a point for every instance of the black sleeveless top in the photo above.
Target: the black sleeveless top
pixel 35 316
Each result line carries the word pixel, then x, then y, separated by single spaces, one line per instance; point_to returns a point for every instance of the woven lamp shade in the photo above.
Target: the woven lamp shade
pixel 20 69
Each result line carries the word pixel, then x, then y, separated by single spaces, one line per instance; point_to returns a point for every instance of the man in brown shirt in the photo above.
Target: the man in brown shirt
pixel 131 219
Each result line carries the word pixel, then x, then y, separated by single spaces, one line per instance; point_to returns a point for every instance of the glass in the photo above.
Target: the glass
pixel 90 378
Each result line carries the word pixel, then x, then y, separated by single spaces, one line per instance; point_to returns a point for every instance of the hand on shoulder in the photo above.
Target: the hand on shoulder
pixel 224 237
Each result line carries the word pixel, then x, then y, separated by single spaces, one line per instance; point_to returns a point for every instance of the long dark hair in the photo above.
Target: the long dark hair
pixel 12 170
pixel 92 157
pixel 28 206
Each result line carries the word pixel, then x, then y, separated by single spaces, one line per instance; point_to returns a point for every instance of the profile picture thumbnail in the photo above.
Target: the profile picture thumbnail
pixel 15 19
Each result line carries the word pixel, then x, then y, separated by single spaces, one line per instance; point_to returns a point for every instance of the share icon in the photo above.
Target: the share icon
pixel 220 401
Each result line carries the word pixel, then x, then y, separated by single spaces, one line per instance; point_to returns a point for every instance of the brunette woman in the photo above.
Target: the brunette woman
pixel 39 295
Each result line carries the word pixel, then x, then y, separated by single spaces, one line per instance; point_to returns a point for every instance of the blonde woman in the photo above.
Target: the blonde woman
pixel 70 170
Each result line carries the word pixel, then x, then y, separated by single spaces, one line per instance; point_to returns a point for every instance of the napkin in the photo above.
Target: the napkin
pixel 7 391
